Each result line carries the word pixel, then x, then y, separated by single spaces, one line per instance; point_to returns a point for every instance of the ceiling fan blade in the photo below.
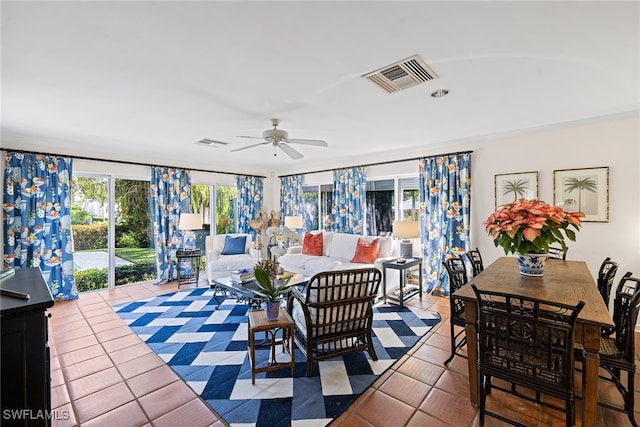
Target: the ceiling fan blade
pixel 214 143
pixel 295 155
pixel 252 137
pixel 250 146
pixel 316 142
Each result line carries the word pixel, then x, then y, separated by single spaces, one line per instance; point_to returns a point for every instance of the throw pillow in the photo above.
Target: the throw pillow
pixel 366 252
pixel 312 244
pixel 234 245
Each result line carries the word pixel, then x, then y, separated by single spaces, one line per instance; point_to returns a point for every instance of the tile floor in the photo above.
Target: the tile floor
pixel 104 375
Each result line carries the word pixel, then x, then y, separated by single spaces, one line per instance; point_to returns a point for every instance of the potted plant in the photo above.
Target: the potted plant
pixel 272 289
pixel 527 228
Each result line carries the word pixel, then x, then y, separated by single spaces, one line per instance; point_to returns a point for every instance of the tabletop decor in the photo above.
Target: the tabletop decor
pixel 272 289
pixel 280 238
pixel 526 228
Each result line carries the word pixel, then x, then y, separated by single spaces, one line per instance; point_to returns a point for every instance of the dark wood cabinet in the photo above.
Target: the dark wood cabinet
pixel 24 364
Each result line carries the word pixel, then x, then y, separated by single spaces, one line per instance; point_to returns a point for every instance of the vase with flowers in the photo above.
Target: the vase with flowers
pixel 527 228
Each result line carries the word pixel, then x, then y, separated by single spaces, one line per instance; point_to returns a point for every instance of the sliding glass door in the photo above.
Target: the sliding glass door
pixel 135 259
pixel 90 208
pixel 112 232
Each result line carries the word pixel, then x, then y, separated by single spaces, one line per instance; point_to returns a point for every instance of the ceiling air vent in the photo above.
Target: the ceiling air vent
pixel 402 75
pixel 210 143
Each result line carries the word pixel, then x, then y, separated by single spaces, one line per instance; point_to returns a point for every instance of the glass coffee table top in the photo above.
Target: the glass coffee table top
pixel 246 291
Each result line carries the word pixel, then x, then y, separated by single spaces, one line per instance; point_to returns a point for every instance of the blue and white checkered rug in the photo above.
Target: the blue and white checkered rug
pixel 207 347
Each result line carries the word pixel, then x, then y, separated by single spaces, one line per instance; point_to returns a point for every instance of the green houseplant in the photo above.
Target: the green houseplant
pixel 271 289
pixel 529 227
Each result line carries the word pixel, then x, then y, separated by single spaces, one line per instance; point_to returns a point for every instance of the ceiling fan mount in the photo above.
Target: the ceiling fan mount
pixel 280 139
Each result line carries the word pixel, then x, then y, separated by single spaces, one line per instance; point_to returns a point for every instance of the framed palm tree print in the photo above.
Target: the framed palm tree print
pixel 510 187
pixel 584 190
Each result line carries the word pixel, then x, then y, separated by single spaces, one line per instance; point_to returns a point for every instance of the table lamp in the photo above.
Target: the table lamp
pixel 188 223
pixel 293 223
pixel 406 230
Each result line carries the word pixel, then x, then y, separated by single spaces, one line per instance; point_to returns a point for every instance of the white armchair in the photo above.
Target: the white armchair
pixel 219 264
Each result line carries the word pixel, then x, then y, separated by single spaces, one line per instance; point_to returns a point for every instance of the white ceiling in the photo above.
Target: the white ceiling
pixel 143 81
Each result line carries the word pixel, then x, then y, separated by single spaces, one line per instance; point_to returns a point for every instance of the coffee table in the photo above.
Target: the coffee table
pixel 246 291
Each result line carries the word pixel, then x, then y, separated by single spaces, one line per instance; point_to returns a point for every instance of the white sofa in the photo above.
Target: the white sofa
pixel 337 251
pixel 219 265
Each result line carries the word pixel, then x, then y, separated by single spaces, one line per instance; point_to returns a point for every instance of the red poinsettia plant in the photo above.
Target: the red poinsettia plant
pixel 531 226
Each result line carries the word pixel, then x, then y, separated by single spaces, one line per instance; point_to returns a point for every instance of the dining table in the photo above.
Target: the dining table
pixel 563 281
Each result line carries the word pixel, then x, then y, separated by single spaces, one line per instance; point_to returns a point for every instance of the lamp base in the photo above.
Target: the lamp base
pixel 189 240
pixel 406 249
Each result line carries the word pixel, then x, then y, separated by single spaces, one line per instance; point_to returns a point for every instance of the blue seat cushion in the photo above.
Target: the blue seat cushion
pixel 234 245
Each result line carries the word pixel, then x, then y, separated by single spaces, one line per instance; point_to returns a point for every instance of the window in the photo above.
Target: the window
pixel 380 207
pixel 388 199
pixel 310 196
pixel 410 203
pixel 316 210
pixel 225 209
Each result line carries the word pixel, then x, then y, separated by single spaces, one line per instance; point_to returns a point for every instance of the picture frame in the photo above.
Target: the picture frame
pixel 510 187
pixel 585 190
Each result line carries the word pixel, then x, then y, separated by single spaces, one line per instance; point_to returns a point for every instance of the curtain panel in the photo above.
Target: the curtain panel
pixel 249 202
pixel 349 200
pixel 291 197
pixel 37 218
pixel 170 196
pixel 445 191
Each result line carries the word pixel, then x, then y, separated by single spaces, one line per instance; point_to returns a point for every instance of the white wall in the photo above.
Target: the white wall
pixel 614 143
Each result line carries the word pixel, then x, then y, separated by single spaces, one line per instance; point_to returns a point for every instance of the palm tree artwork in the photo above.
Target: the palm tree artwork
pixel 518 187
pixel 580 183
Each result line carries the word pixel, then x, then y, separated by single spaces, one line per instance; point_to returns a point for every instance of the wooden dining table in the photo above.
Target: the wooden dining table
pixel 563 281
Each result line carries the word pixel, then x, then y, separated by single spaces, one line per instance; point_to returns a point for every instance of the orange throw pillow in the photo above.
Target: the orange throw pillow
pixel 366 252
pixel 312 244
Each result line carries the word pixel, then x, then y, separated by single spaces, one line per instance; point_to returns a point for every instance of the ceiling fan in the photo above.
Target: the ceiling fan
pixel 280 139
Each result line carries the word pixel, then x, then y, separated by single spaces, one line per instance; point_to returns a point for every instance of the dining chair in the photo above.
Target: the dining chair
pixel 617 353
pixel 606 274
pixel 526 342
pixel 557 253
pixel 475 259
pixel 457 278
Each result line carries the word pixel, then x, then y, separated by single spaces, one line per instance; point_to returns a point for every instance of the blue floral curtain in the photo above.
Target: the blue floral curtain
pixel 248 202
pixel 37 218
pixel 170 196
pixel 291 197
pixel 349 200
pixel 445 190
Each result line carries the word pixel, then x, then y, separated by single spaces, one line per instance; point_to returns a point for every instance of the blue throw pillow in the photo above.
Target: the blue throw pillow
pixel 234 245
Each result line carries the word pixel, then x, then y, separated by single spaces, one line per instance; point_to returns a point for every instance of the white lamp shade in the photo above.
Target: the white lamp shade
pixel 406 229
pixel 190 221
pixel 293 222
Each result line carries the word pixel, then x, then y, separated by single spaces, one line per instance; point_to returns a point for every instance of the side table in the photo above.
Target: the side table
pixel 402 293
pixel 258 323
pixel 191 259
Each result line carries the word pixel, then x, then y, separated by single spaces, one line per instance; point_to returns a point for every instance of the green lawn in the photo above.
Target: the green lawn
pixel 137 255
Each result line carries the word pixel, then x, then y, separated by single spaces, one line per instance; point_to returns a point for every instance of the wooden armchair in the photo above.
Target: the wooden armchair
pixel 334 315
